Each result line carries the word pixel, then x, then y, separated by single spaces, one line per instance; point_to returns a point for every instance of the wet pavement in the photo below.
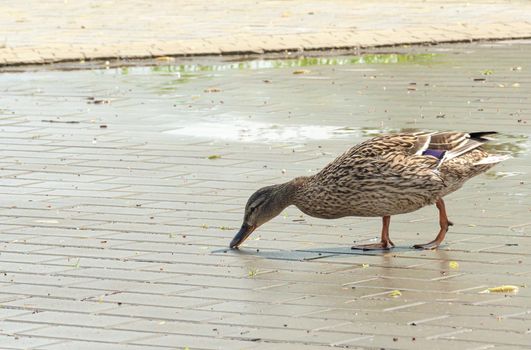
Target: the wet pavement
pixel 123 186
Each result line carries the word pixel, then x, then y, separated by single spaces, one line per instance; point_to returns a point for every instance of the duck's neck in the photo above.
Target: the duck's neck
pixel 290 189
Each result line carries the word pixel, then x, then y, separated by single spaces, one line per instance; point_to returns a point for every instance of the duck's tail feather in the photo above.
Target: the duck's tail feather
pixel 457 144
pixel 479 136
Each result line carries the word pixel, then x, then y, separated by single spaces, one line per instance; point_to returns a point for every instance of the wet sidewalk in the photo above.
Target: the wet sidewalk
pixel 36 32
pixel 122 187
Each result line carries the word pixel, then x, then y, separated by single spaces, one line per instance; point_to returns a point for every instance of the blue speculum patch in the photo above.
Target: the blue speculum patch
pixel 439 154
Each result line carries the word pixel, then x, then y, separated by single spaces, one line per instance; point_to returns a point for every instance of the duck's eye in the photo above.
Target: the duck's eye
pixel 251 209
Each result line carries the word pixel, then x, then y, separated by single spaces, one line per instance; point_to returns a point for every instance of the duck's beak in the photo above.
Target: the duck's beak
pixel 242 235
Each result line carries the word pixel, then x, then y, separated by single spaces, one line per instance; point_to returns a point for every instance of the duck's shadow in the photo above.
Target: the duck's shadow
pixel 307 254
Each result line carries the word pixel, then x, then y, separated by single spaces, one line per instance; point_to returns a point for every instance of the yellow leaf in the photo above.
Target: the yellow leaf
pixel 164 58
pixel 214 156
pixel 501 289
pixel 395 294
pixel 301 71
pixel 453 265
pixel 365 265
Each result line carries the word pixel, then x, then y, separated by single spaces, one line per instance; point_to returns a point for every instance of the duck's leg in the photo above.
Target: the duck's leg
pixel 443 222
pixel 385 242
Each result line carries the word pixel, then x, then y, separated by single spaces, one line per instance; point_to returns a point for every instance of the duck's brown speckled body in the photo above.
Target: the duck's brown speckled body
pixel 383 176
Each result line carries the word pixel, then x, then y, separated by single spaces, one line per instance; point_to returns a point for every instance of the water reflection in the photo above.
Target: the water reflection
pixel 257 64
pixel 515 145
pixel 248 131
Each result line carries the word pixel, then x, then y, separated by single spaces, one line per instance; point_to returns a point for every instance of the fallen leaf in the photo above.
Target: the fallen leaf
pixel 301 71
pixel 453 265
pixel 487 72
pixel 212 89
pixel 164 58
pixel 501 289
pixel 395 294
pixel 365 265
pixel 214 156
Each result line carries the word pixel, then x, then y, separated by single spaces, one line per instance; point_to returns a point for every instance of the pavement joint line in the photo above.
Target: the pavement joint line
pixel 400 307
pixel 449 334
pixel 343 342
pixel 483 302
pixel 482 347
pixel 447 277
pixel 429 319
pixel 527 312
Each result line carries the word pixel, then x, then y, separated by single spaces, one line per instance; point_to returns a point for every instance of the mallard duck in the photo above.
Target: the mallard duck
pixel 384 176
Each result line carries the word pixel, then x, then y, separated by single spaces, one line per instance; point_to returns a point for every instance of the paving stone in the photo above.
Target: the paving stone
pixel 38 303
pixel 68 332
pixel 183 341
pixel 24 342
pixel 93 345
pixel 71 319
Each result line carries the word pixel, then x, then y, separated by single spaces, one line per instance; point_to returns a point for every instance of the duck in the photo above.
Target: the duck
pixel 384 176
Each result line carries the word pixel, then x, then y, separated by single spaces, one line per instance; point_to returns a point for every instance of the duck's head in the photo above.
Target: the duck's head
pixel 262 206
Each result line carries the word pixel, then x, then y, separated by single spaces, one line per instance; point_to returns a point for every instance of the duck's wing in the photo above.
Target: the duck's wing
pixel 453 144
pixel 408 144
pixel 416 151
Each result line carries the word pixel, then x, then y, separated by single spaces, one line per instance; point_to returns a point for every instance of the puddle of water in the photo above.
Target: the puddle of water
pixel 502 174
pixel 515 145
pixel 248 131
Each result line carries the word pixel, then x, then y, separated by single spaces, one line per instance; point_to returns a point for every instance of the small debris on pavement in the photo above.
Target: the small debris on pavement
pixel 501 289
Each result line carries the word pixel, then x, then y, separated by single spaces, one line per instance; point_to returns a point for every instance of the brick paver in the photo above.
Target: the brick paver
pixel 115 222
pixel 36 32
